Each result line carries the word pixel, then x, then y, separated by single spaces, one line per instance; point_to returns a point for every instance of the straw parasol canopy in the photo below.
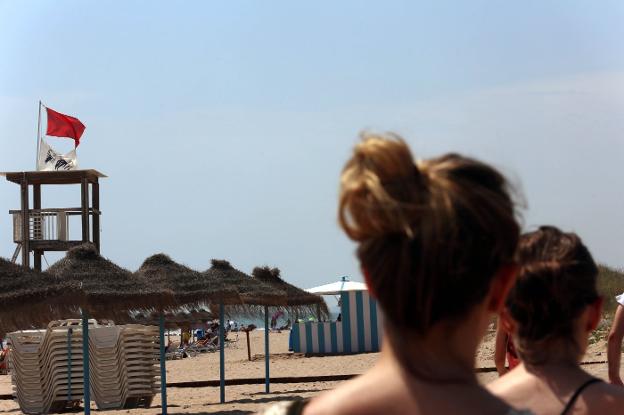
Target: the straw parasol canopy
pixel 189 287
pixel 297 300
pixel 29 298
pixel 106 289
pixel 182 317
pixel 252 291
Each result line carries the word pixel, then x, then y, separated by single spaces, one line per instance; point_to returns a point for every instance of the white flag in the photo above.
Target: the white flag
pixel 50 160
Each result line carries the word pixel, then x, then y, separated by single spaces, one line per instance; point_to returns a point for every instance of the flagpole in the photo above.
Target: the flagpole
pixel 38 137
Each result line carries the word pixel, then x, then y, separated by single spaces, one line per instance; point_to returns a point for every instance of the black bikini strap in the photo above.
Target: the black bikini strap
pixel 296 408
pixel 578 392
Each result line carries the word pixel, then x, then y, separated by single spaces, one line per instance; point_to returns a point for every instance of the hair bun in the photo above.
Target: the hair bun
pixel 379 184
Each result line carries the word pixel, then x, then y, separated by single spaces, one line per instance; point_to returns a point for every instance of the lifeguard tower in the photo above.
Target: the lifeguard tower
pixel 38 230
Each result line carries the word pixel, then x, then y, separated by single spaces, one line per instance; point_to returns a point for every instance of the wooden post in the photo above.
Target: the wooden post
pixel 25 223
pixel 37 205
pixel 84 195
pixel 248 347
pixel 95 204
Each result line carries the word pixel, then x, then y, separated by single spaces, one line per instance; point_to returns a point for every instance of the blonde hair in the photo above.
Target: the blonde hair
pixel 432 234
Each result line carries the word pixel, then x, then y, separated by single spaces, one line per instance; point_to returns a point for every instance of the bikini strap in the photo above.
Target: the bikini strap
pixel 578 392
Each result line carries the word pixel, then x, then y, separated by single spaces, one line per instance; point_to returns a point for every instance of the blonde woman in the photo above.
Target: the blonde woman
pixel 435 241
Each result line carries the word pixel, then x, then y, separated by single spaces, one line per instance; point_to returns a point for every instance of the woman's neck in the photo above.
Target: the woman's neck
pixel 444 355
pixel 554 353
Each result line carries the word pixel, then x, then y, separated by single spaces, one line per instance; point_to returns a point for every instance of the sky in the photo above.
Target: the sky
pixel 223 126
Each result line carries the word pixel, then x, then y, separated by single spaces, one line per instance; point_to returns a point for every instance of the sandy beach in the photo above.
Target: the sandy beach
pixel 246 399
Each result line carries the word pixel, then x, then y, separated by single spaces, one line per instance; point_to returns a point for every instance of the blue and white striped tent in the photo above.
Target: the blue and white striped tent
pixel 360 329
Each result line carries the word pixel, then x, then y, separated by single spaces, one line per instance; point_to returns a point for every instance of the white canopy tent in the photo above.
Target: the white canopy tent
pixel 335 288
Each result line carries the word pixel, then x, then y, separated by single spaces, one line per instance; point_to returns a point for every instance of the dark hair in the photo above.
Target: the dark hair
pixel 432 234
pixel 556 281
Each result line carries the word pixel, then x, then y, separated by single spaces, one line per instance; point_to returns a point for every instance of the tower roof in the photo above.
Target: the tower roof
pixel 54 177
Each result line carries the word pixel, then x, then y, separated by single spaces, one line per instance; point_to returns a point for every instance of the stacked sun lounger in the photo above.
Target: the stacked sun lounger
pixel 124 366
pixel 47 371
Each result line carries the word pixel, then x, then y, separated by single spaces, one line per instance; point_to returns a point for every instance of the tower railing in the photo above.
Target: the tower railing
pixel 46 224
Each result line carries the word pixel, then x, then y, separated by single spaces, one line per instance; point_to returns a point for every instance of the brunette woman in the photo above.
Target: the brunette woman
pixel 550 312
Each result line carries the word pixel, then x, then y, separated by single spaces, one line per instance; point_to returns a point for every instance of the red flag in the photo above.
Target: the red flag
pixel 61 125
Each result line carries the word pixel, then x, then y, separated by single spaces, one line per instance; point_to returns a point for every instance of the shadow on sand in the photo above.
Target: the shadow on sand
pixel 267 400
pixel 290 391
pixel 230 412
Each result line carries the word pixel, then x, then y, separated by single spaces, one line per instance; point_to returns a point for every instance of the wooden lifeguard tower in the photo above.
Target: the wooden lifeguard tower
pixel 38 230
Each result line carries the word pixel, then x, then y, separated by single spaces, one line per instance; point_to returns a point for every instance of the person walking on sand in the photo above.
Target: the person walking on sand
pixel 436 242
pixel 614 343
pixel 504 351
pixel 550 312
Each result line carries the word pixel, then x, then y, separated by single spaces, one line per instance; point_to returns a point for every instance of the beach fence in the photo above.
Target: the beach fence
pixel 359 331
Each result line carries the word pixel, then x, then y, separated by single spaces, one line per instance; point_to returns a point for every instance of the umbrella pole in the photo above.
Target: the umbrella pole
pixel 163 368
pixel 248 347
pixel 85 363
pixel 222 352
pixel 266 349
pixel 69 364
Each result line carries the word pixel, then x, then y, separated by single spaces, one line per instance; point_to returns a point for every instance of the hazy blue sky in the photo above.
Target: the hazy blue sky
pixel 227 124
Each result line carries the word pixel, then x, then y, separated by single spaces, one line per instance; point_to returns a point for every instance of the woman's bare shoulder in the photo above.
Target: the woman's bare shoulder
pixel 513 381
pixel 604 397
pixel 369 393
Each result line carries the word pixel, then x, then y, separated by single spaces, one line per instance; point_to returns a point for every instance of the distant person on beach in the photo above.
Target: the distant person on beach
pixel 505 355
pixel 186 337
pixel 436 242
pixel 614 346
pixel 550 311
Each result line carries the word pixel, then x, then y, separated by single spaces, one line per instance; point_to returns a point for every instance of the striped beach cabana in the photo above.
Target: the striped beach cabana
pixel 359 329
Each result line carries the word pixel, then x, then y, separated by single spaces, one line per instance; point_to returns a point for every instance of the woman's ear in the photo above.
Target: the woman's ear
pixel 595 314
pixel 367 280
pixel 502 283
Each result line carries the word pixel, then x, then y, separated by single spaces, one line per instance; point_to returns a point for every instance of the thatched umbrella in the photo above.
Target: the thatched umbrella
pixel 29 298
pixel 179 318
pixel 297 300
pixel 108 290
pixel 251 291
pixel 189 287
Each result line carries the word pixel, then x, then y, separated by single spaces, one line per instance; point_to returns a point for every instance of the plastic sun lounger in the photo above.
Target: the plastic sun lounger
pixel 123 361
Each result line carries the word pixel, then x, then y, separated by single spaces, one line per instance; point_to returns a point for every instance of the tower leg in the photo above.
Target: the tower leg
pixel 18 248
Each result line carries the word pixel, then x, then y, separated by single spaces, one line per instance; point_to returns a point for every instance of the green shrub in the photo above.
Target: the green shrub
pixel 610 284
